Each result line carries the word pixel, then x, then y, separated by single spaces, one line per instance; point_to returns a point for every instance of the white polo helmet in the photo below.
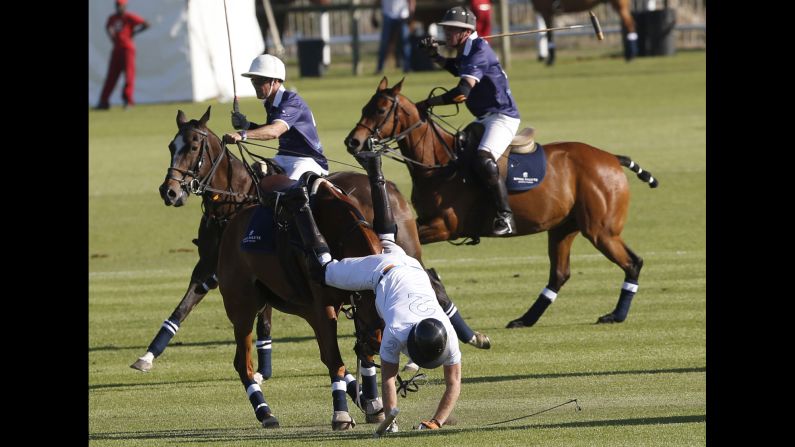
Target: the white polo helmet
pixel 267 66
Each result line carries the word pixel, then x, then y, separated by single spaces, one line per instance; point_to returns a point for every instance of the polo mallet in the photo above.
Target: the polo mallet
pixel 386 423
pixel 235 105
pixel 594 23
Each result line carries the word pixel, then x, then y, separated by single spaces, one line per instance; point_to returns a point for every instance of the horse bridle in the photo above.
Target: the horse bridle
pixel 385 141
pixel 198 185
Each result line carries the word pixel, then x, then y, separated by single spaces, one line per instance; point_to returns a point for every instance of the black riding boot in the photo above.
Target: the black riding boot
pixel 315 246
pixel 384 221
pixel 489 173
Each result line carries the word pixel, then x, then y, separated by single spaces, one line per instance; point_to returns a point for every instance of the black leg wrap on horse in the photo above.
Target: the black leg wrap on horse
pixel 489 173
pixel 384 220
pixel 532 315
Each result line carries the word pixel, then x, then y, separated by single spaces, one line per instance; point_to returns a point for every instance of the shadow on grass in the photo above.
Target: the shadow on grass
pixel 324 433
pixel 491 379
pixel 230 342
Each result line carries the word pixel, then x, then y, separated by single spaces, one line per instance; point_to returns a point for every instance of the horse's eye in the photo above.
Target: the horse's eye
pixel 381 111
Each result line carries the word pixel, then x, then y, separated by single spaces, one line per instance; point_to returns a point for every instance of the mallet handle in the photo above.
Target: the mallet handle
pixel 519 33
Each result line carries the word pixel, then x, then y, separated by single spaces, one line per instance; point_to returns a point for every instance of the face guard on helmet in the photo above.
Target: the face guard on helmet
pixel 459 17
pixel 427 343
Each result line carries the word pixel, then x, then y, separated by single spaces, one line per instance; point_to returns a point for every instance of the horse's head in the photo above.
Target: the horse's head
pixel 384 116
pixel 192 151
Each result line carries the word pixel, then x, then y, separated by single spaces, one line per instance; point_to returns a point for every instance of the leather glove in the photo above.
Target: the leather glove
pixel 239 121
pixel 432 424
pixel 422 108
pixel 430 46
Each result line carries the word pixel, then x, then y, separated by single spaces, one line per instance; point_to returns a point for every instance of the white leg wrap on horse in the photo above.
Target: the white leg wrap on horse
pixel 171 327
pixel 549 294
pixel 339 385
pixel 148 357
pixel 253 388
pixel 632 36
pixel 349 378
pixel 628 286
pixel 368 372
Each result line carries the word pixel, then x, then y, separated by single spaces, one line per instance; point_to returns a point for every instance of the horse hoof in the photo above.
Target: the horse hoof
pixel 142 365
pixel 480 341
pixel 609 319
pixel 516 324
pixel 270 421
pixel 341 421
pixel 373 410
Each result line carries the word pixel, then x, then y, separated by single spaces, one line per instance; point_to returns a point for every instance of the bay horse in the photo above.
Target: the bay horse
pixel 223 195
pixel 210 169
pixel 549 8
pixel 584 191
pixel 248 280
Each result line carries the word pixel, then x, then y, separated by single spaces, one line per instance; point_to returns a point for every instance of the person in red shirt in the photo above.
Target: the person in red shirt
pixel 482 10
pixel 121 27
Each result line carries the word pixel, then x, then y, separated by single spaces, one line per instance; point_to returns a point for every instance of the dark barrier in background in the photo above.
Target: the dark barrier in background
pixel 310 57
pixel 655 32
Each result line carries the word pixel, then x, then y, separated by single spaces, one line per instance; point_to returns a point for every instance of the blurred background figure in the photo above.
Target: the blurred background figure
pixel 280 17
pixel 482 10
pixel 395 16
pixel 121 27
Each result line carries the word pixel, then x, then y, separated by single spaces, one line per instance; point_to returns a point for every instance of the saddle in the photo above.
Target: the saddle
pixel 467 140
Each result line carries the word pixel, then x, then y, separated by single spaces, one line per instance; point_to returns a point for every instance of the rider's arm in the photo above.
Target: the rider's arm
pixel 448 63
pixel 267 132
pixel 456 95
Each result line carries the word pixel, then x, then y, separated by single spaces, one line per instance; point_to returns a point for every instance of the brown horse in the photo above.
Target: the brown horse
pixel 223 195
pixel 584 191
pixel 549 8
pixel 208 168
pixel 249 280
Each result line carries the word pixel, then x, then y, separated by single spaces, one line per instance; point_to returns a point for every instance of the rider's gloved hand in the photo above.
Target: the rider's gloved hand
pixel 432 424
pixel 430 46
pixel 239 121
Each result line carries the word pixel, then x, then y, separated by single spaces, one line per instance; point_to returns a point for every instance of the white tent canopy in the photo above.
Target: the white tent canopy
pixel 184 55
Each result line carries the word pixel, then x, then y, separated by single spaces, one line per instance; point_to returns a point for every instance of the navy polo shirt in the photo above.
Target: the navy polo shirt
pixel 301 138
pixel 491 93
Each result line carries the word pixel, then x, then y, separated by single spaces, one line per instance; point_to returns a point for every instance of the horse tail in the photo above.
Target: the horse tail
pixel 634 167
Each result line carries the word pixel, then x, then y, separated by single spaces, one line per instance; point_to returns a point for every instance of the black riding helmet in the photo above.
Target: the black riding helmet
pixel 460 17
pixel 427 343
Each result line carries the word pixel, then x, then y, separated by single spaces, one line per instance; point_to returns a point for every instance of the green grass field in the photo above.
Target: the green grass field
pixel 642 382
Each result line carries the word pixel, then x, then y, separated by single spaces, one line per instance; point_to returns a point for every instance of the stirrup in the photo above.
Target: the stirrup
pixel 508 227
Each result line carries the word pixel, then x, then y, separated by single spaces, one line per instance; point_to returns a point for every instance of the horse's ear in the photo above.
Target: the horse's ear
pixel 382 85
pixel 396 88
pixel 206 116
pixel 181 118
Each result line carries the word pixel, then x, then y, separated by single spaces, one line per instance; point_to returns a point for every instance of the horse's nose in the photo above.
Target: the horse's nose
pixel 169 195
pixel 352 144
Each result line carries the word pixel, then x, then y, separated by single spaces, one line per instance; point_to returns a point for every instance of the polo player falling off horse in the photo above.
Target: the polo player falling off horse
pixel 414 322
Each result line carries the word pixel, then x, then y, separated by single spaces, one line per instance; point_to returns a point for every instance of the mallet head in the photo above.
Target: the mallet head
pixel 596 26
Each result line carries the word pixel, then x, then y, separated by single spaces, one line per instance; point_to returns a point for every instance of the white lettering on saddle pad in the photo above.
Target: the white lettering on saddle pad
pixel 525 180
